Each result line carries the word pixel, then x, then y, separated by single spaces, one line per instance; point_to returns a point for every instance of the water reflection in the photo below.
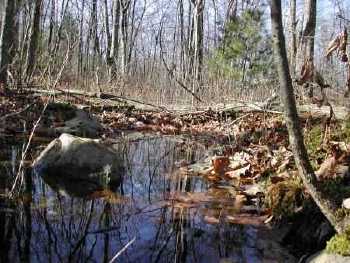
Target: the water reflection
pixel 56 221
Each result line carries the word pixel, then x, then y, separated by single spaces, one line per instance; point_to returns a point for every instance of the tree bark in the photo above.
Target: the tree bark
pixel 291 116
pixel 33 39
pixel 306 46
pixel 124 24
pixel 52 25
pixel 293 36
pixel 6 41
pixel 108 33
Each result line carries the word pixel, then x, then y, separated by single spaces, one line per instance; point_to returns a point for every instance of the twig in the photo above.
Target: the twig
pixel 24 154
pixel 122 250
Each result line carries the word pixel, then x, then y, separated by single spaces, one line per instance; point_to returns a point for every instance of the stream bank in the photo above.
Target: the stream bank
pixel 254 147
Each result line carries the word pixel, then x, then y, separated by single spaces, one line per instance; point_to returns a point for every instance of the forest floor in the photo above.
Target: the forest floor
pixel 248 147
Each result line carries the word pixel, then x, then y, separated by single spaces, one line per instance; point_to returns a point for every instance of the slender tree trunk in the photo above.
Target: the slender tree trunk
pixel 306 46
pixel 113 54
pixel 182 37
pixel 125 5
pixel 291 116
pixel 6 40
pixel 293 36
pixel 197 44
pixel 52 25
pixel 96 42
pixel 81 40
pixel 108 32
pixel 198 41
pixel 33 39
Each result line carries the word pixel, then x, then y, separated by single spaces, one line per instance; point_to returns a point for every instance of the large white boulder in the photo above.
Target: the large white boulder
pixel 324 257
pixel 80 160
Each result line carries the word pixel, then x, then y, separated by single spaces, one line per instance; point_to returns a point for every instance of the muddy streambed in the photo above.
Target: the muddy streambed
pixel 170 215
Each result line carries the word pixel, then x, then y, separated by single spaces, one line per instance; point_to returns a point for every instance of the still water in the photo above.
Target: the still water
pixel 80 222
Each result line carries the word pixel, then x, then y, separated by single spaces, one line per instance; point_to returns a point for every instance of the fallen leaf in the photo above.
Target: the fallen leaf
pixel 220 164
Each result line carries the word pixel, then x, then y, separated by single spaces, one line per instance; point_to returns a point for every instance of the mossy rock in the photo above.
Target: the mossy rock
pixel 340 244
pixel 285 197
pixel 65 110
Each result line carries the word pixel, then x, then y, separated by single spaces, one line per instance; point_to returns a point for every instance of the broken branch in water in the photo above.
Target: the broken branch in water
pixel 122 250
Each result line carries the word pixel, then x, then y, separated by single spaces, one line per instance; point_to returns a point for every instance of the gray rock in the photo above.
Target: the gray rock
pixel 253 190
pixel 82 124
pixel 79 160
pixel 324 257
pixel 346 203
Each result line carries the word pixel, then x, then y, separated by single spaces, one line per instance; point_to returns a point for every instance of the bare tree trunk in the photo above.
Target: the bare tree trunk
pixel 293 36
pixel 125 5
pixel 94 33
pixel 81 40
pixel 113 55
pixel 52 25
pixel 306 46
pixel 108 33
pixel 182 38
pixel 6 40
pixel 199 38
pixel 33 39
pixel 291 116
pixel 197 44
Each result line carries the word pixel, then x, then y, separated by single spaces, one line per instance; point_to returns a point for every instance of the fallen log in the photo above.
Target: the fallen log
pixel 97 95
pixel 340 113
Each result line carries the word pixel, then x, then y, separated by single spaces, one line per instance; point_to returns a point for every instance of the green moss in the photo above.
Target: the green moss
pixel 340 244
pixel 313 141
pixel 65 111
pixel 341 213
pixel 345 131
pixel 285 197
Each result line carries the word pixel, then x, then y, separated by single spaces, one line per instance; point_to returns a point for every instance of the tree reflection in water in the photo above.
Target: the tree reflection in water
pixel 55 223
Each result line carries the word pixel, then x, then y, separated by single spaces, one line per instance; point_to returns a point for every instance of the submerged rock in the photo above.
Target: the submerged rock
pixel 324 257
pixel 70 159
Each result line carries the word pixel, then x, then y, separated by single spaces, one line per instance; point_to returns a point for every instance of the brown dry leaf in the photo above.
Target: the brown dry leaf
pixel 220 164
pixel 276 179
pixel 247 180
pixel 307 72
pixel 168 129
pixel 333 45
pixel 343 44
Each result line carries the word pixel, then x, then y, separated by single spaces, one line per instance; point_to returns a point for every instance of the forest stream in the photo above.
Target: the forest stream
pixel 162 212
